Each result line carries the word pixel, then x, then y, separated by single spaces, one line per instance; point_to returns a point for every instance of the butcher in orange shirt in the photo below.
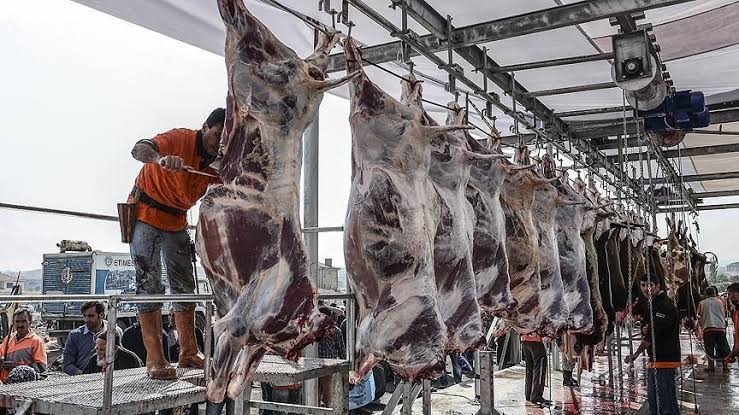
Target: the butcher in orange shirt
pixel 733 293
pixel 164 191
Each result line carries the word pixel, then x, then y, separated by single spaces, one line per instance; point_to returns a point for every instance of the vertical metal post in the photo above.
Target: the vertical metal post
pixel 340 393
pixel 609 346
pixel 487 397
pixel 426 397
pixel 110 355
pixel 208 340
pixel 310 218
pixel 618 355
pixel 407 408
pixel 351 327
pixel 478 372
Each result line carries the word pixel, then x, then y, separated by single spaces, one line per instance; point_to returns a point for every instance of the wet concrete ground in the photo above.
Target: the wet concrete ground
pixel 716 393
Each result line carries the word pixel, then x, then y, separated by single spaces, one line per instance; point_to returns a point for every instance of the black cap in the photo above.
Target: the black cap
pixel 217 117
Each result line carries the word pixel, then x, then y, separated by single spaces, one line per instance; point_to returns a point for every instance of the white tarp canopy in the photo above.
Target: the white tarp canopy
pixel 699 42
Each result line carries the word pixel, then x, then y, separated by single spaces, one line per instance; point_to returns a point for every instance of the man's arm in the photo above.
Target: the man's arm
pixel 39 356
pixel 70 355
pixel 639 350
pixel 147 151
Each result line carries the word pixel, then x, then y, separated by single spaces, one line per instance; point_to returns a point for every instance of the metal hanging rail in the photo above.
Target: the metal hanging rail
pixel 439 25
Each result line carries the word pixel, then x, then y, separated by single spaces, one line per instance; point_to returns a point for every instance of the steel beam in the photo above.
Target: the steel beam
pixel 591 111
pixel 555 62
pixel 701 177
pixel 725 193
pixel 507 27
pixel 688 152
pixel 700 208
pixel 438 24
pixel 572 89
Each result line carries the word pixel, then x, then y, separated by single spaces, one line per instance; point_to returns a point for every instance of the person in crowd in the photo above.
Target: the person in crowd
pixel 712 314
pixel 535 356
pixel 133 340
pixel 80 344
pixel 733 296
pixel 22 347
pixel 123 358
pixel 501 333
pixel 163 193
pixel 660 322
pixel 329 347
pixel 569 359
pixel 173 336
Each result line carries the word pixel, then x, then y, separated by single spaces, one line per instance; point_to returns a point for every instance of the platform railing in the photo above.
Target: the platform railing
pixel 114 300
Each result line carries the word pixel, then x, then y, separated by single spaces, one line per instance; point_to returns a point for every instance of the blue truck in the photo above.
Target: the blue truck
pixel 95 272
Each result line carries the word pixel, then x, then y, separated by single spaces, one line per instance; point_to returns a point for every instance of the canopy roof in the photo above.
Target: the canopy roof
pixel 699 43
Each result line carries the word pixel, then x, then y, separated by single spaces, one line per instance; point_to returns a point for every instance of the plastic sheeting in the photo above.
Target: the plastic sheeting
pixel 699 40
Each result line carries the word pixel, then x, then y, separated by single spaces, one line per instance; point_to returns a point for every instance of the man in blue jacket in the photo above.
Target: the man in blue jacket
pixel 80 343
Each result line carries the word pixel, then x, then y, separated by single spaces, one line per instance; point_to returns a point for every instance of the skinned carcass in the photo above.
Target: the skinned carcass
pixel 389 232
pixel 606 271
pixel 547 201
pixel 449 171
pixel 522 243
pixel 590 219
pixel 249 233
pixel 571 250
pixel 489 255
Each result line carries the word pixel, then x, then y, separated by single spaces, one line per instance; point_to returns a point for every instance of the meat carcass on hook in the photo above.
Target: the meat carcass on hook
pixel 522 243
pixel 489 256
pixel 590 218
pixel 571 249
pixel 449 171
pixel 249 234
pixel 389 232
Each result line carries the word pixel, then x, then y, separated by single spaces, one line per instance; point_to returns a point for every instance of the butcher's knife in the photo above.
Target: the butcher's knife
pixel 202 173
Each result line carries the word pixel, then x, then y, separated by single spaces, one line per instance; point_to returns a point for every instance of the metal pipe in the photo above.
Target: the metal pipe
pixel 208 341
pixel 571 89
pixel 554 62
pixel 351 328
pixel 310 218
pixel 110 347
pixel 121 298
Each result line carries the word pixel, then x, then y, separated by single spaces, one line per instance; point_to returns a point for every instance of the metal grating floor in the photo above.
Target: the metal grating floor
pixel 134 392
pixel 86 391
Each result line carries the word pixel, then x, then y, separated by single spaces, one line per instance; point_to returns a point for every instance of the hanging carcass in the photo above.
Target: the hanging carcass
pixel 489 255
pixel 449 171
pixel 522 242
pixel 547 201
pixel 389 231
pixel 590 219
pixel 571 251
pixel 249 233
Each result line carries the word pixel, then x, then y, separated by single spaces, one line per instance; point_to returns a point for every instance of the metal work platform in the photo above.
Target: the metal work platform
pixel 135 393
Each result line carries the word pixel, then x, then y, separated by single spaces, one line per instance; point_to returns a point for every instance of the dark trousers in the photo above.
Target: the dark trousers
pixel 717 347
pixel 212 408
pixel 535 357
pixel 456 367
pixel 665 387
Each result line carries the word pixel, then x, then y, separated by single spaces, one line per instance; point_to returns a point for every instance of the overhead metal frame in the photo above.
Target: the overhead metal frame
pixel 508 27
pixel 689 152
pixel 555 62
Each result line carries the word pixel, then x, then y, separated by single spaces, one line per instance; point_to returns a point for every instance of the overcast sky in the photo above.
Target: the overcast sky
pixel 79 88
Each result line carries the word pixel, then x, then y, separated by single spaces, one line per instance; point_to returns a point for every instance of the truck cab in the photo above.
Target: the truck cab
pixel 96 272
